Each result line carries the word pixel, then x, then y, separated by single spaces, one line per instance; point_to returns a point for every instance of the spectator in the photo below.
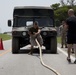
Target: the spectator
pixel 71 33
pixel 63 33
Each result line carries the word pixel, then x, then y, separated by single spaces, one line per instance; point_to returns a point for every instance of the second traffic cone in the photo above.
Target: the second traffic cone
pixel 1 44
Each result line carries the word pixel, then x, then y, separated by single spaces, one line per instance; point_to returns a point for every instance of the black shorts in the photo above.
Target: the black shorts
pixel 71 40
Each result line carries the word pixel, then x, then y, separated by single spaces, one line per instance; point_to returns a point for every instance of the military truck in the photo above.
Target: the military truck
pixel 24 17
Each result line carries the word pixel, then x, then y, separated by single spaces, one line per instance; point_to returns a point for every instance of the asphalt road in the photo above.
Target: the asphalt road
pixel 24 64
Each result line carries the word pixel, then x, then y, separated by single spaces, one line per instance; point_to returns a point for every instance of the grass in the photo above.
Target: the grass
pixel 58 39
pixel 5 37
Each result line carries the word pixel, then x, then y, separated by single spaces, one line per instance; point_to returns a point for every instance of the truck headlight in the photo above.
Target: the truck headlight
pixel 24 33
pixel 44 33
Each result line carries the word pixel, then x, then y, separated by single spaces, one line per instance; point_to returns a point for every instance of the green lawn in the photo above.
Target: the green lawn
pixel 5 37
pixel 58 39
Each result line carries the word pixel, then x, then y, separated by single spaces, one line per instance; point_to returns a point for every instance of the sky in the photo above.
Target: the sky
pixel 7 6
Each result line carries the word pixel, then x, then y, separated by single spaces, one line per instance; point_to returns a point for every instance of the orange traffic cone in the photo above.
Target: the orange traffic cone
pixel 1 44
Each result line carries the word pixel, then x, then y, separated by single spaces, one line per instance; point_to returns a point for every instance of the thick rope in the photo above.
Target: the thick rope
pixel 41 60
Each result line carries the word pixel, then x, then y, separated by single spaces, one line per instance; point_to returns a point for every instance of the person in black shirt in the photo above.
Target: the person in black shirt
pixel 71 33
pixel 34 33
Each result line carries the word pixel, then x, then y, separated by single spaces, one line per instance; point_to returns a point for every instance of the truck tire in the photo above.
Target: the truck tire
pixel 15 45
pixel 47 44
pixel 53 47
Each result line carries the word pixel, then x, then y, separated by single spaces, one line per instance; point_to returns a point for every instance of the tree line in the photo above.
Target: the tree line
pixel 61 10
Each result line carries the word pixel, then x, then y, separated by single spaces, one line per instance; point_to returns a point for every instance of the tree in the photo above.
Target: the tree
pixel 61 13
pixel 62 2
pixel 55 6
pixel 68 2
pixel 72 2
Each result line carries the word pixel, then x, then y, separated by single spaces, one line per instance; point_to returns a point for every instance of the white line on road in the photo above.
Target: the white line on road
pixel 65 53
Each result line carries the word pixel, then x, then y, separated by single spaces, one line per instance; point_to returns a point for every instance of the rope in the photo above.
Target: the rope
pixel 41 60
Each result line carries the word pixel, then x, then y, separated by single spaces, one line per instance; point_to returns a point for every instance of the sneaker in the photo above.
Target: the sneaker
pixel 75 62
pixel 69 60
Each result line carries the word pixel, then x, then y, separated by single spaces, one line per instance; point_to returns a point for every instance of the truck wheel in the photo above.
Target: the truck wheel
pixel 47 44
pixel 15 45
pixel 53 47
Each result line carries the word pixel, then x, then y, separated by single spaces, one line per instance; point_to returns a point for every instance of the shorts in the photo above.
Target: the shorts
pixel 71 40
pixel 33 42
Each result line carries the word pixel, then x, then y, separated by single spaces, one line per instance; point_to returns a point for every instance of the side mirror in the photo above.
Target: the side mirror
pixel 9 23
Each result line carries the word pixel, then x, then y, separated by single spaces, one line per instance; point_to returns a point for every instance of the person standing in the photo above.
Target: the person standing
pixel 71 33
pixel 63 33
pixel 34 33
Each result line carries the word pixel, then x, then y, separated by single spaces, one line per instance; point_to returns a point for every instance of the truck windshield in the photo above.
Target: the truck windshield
pixel 45 17
pixel 42 21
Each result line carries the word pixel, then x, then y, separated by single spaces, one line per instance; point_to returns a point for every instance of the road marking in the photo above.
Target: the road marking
pixel 5 52
pixel 73 58
pixel 65 53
